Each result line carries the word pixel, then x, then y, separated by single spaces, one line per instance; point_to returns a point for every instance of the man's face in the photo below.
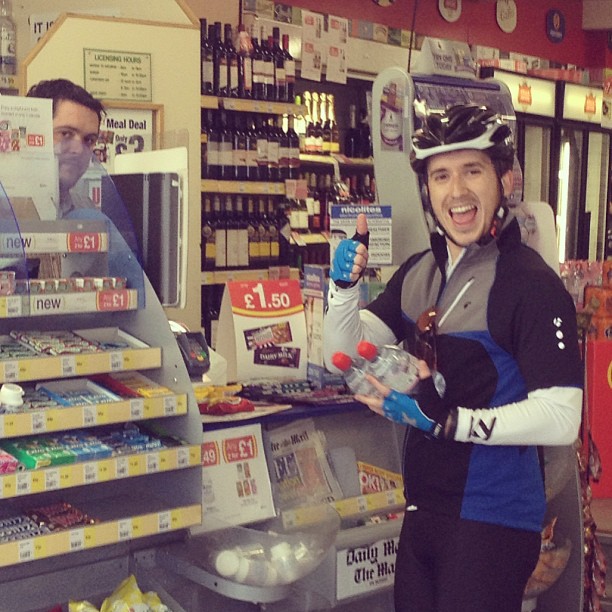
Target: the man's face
pixel 464 192
pixel 75 132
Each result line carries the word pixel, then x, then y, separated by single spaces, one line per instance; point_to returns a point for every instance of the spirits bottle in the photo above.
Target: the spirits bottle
pixel 8 39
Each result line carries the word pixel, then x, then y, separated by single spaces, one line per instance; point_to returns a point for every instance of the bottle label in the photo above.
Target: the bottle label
pixel 281 79
pixel 231 247
pixel 207 70
pixel 7 47
pixel 290 71
pixel 212 153
pixel 273 153
pixel 248 74
pixel 258 71
pixel 226 154
pixel 262 151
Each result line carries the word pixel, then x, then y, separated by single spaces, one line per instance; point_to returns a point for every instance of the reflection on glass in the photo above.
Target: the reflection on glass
pixel 568 197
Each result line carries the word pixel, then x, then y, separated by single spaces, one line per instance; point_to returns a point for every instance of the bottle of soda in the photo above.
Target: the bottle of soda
pixel 354 372
pixel 392 365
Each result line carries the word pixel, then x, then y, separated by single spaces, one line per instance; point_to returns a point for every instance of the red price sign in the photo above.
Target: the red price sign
pixel 210 454
pixel 84 242
pixel 36 140
pixel 266 298
pixel 112 299
pixel 239 449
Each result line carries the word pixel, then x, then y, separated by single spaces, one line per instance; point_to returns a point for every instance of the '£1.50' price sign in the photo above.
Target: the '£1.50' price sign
pixel 262 330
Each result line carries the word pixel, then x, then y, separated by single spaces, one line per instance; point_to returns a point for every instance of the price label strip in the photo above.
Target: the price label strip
pixel 262 329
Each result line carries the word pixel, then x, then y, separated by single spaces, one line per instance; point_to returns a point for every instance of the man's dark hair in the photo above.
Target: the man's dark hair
pixel 63 89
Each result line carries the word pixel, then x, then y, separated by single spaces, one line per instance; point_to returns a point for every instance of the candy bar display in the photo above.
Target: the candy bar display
pixel 34 452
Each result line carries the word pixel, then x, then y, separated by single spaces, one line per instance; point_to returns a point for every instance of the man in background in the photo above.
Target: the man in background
pixel 76 123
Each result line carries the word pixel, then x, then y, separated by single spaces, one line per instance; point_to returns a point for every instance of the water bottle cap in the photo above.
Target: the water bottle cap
pixel 367 350
pixel 342 361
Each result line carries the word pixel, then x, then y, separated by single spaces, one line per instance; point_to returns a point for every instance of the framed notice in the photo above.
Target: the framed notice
pixel 118 75
pixel 128 128
pixel 262 330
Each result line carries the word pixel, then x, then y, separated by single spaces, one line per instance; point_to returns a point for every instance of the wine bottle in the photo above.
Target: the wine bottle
pixel 239 148
pixel 213 138
pixel 258 70
pixel 280 76
pixel 289 70
pixel 253 234
pixel 243 233
pixel 206 57
pixel 231 234
pixel 227 170
pixel 294 148
pixel 268 65
pixel 314 204
pixel 365 138
pixel 335 132
pixel 273 232
pixel 231 89
pixel 219 233
pixel 309 139
pixel 318 129
pixel 326 126
pixel 262 149
pixel 207 260
pixel 284 151
pixel 273 150
pixel 245 63
pixel 219 62
pixel 251 149
pixel 264 233
pixel 351 139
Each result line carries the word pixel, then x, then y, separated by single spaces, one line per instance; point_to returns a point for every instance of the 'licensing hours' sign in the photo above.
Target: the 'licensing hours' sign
pixel 118 75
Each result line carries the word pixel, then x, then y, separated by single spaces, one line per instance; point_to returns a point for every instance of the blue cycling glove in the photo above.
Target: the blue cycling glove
pixel 423 409
pixel 344 259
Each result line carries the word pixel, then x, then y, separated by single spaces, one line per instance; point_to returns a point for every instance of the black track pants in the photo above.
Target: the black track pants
pixel 454 565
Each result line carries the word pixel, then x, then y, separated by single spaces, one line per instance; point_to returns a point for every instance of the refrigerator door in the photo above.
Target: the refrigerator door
pixel 534 155
pixel 584 174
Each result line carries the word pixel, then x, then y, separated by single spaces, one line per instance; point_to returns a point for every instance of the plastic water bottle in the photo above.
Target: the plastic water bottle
pixel 354 371
pixel 392 365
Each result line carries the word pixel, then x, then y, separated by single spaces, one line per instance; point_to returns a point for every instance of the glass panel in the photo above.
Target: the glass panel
pixel 536 168
pixel 596 186
pixel 569 193
pixel 13 264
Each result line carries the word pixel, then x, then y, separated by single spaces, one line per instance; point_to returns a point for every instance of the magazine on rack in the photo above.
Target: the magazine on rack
pixel 301 472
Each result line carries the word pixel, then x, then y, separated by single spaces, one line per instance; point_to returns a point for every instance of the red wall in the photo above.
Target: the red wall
pixel 477 25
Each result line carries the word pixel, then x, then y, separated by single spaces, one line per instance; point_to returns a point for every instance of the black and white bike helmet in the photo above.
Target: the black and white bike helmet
pixel 462 126
pixel 458 127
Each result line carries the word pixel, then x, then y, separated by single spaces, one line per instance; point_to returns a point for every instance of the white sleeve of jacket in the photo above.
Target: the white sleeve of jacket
pixel 345 325
pixel 548 417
